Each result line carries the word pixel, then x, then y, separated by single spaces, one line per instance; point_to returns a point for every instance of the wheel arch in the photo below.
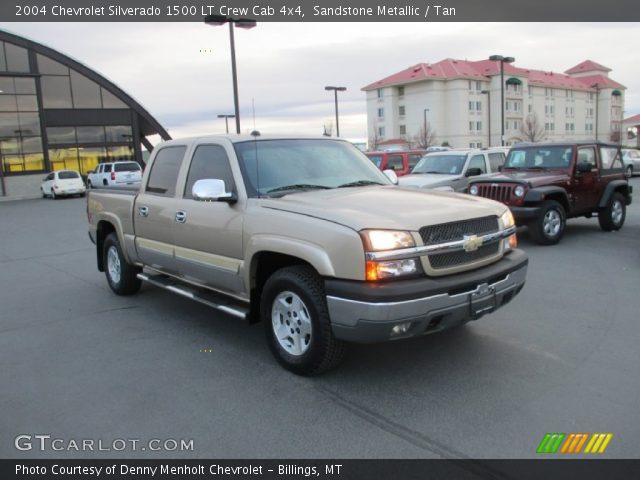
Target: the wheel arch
pixel 620 186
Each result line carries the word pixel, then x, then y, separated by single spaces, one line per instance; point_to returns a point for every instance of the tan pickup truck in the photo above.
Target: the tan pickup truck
pixel 308 236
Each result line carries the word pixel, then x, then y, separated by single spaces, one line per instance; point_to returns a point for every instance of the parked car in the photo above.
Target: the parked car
pixel 402 162
pixel 63 183
pixel 631 160
pixel 545 183
pixel 111 174
pixel 451 169
pixel 308 237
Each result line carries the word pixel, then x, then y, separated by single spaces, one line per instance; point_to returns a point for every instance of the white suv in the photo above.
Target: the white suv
pixel 450 170
pixel 115 174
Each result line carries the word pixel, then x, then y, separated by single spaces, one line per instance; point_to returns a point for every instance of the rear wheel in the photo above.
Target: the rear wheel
pixel 548 228
pixel 296 321
pixel 613 215
pixel 121 276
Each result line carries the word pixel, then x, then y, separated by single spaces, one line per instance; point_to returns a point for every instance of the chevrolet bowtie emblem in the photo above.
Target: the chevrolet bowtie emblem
pixel 471 243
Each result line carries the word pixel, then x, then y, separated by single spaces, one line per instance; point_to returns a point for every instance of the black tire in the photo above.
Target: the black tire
pixel 82 195
pixel 104 182
pixel 322 351
pixel 44 195
pixel 127 283
pixel 613 215
pixel 548 228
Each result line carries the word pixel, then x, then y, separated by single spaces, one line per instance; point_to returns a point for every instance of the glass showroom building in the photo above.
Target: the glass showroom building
pixel 56 113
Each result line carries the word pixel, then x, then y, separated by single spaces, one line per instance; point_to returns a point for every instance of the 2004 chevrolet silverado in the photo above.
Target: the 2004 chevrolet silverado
pixel 308 236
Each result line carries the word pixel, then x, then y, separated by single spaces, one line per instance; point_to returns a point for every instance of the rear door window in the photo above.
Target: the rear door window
pixel 610 158
pixel 164 171
pixel 496 160
pixel 107 167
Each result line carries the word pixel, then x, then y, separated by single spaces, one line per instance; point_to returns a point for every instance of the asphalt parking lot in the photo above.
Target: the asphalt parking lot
pixel 78 362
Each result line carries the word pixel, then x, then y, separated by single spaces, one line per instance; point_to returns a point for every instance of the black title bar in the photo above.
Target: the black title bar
pixel 320 10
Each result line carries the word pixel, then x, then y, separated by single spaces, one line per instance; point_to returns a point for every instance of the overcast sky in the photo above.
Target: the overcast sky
pixel 181 72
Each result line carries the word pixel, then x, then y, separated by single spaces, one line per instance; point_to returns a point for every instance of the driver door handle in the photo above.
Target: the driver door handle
pixel 143 211
pixel 181 216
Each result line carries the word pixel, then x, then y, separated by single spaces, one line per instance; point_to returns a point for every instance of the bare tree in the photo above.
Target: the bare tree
pixel 425 137
pixel 374 138
pixel 531 130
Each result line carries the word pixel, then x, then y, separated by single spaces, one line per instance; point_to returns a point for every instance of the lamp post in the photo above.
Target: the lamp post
pixel 217 20
pixel 425 127
pixel 226 119
pixel 597 87
pixel 335 93
pixel 488 94
pixel 502 60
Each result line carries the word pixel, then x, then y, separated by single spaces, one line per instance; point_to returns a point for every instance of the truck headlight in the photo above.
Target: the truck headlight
pixel 507 219
pixel 519 191
pixel 473 190
pixel 391 269
pixel 380 240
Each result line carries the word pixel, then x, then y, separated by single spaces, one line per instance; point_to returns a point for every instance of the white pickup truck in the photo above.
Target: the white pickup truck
pixel 308 236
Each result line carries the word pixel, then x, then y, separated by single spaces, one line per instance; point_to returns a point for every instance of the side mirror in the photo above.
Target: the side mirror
pixel 584 167
pixel 391 175
pixel 212 190
pixel 473 172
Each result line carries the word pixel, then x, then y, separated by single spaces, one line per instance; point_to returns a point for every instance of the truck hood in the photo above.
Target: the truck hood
pixel 426 180
pixel 384 207
pixel 532 179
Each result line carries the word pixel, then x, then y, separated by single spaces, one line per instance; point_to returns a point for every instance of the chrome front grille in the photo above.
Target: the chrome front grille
pixel 456 231
pixel 496 191
pixel 450 232
pixel 453 259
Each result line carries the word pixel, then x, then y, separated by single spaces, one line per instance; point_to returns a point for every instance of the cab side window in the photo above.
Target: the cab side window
pixel 106 168
pixel 587 155
pixel 395 162
pixel 477 161
pixel 610 158
pixel 164 171
pixel 209 161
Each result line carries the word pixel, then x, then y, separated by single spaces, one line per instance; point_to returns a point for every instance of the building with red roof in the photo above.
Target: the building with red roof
pixel 460 100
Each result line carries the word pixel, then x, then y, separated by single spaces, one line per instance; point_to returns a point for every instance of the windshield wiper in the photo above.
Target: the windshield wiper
pixel 359 183
pixel 298 186
pixel 430 171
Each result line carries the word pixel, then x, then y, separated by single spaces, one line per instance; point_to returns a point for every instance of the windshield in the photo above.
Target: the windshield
pixel 126 167
pixel 538 158
pixel 445 164
pixel 277 167
pixel 67 175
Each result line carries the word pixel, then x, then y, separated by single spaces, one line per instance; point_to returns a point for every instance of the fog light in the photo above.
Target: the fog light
pixel 400 329
pixel 511 243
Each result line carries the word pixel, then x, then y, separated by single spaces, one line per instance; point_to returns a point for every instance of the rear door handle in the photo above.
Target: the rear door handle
pixel 181 216
pixel 143 211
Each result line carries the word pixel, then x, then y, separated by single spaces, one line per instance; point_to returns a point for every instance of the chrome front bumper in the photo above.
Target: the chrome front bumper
pixel 367 321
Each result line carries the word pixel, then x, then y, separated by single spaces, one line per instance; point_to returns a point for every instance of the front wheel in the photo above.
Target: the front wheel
pixel 294 312
pixel 612 216
pixel 548 228
pixel 121 275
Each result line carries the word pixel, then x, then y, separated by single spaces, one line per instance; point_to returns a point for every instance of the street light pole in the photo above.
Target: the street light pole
pixel 335 93
pixel 488 94
pixel 502 60
pixel 216 20
pixel 226 119
pixel 425 127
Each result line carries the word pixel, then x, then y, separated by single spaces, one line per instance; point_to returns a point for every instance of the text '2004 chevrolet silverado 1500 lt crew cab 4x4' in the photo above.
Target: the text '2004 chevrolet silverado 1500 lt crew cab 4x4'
pixel 308 236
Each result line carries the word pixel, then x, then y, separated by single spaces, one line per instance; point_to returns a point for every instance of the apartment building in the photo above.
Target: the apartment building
pixel 459 101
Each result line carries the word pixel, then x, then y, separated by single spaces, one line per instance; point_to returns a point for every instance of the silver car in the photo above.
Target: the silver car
pixel 631 159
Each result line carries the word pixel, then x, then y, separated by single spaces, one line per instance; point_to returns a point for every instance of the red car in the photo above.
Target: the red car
pixel 401 162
